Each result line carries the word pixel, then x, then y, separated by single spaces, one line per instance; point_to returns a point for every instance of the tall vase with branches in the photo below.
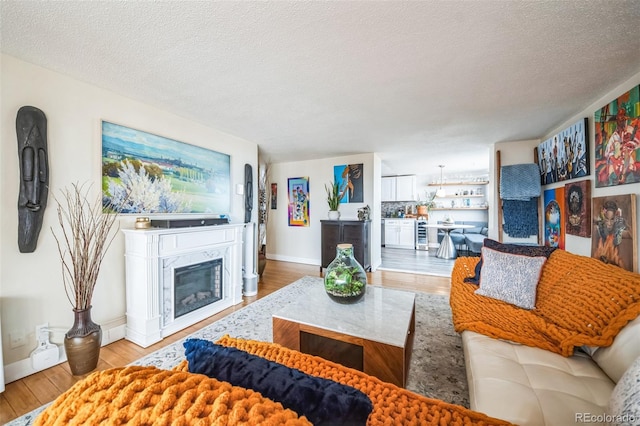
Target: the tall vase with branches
pixel 264 202
pixel 84 237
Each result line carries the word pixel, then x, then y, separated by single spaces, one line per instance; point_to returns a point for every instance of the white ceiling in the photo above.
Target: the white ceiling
pixel 422 82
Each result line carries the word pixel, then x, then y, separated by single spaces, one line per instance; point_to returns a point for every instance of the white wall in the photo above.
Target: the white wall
pixel 302 244
pixel 521 152
pixel 31 288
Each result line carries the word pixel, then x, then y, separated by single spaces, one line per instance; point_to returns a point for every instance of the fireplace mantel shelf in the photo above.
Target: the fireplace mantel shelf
pixel 151 258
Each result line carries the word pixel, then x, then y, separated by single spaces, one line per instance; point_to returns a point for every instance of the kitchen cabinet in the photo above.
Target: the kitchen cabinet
pixel 398 188
pixel 388 189
pixel 356 232
pixel 406 188
pixel 400 233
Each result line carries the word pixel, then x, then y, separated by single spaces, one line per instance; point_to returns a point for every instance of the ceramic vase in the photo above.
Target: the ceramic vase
pixel 262 264
pixel 334 215
pixel 345 280
pixel 82 343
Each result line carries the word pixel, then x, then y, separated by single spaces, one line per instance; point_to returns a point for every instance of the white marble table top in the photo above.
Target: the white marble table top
pixel 382 315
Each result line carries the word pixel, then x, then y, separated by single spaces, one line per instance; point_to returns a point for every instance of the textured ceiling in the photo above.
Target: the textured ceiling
pixel 421 83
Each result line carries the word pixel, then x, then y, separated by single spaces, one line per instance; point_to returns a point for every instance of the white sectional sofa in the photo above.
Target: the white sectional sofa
pixel 532 386
pixel 558 362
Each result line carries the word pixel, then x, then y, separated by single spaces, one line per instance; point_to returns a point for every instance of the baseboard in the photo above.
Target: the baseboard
pixel 309 261
pixel 304 260
pixel 111 331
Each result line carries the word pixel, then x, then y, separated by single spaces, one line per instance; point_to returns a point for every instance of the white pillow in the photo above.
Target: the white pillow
pixel 509 277
pixel 624 404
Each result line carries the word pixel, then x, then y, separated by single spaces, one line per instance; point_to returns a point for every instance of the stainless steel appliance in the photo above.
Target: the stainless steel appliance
pixel 422 242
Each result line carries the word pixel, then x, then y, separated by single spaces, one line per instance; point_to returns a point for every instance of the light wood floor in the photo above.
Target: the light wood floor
pixel 29 393
pixel 415 261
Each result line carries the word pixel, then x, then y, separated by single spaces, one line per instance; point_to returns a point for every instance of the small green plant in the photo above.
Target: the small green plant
pixel 344 281
pixel 333 195
pixel 428 201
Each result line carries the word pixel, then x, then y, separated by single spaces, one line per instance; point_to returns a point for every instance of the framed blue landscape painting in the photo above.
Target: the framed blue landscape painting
pixel 146 173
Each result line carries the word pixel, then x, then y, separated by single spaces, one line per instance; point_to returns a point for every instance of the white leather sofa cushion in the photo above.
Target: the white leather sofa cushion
pixel 617 358
pixel 531 386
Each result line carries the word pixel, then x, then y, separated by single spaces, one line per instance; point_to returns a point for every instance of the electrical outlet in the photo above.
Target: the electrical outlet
pixel 17 339
pixel 42 333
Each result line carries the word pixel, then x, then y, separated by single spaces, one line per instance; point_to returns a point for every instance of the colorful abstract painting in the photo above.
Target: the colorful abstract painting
pixel 614 231
pixel 617 141
pixel 146 173
pixel 298 189
pixel 349 177
pixel 578 208
pixel 554 228
pixel 565 155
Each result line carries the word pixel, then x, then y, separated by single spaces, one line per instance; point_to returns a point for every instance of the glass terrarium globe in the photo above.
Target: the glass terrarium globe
pixel 345 280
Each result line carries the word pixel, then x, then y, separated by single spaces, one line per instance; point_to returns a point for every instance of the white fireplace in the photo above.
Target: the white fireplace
pixel 179 276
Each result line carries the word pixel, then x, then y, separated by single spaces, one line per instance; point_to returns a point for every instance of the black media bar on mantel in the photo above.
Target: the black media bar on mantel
pixel 187 223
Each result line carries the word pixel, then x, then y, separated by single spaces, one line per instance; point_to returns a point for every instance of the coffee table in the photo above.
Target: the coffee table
pixel 373 335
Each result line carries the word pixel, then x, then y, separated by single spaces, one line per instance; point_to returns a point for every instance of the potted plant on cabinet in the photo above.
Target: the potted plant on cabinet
pixel 425 206
pixel 333 199
pixel 83 241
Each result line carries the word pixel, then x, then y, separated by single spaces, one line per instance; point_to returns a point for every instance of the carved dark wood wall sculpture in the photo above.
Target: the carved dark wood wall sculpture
pixel 248 192
pixel 31 129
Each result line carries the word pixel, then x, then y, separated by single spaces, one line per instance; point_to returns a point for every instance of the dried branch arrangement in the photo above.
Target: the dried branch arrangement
pixel 86 237
pixel 264 202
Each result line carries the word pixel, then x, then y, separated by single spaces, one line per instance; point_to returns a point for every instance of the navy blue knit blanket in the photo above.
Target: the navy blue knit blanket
pixel 520 217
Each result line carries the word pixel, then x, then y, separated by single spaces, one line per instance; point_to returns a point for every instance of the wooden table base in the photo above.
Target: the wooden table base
pixel 386 362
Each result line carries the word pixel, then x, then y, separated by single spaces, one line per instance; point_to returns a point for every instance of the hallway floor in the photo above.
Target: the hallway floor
pixel 416 261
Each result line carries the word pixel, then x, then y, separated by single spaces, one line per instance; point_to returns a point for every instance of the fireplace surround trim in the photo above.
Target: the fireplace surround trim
pixel 145 252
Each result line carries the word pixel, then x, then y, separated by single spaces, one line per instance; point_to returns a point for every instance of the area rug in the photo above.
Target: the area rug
pixel 436 369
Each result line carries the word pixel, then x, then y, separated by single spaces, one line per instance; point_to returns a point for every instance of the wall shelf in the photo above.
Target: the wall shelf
pixel 460 208
pixel 463 196
pixel 458 183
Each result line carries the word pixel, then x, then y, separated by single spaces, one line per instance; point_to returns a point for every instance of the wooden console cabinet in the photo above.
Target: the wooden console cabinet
pixel 356 232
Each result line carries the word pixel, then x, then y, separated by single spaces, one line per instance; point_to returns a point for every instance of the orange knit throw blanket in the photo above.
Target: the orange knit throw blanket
pixel 150 396
pixel 391 405
pixel 580 301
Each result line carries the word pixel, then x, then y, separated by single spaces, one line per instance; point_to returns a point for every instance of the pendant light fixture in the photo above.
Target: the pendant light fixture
pixel 441 192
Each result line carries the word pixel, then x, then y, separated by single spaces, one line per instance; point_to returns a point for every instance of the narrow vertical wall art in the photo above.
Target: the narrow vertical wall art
pixel 554 227
pixel 31 130
pixel 298 189
pixel 248 192
pixel 274 196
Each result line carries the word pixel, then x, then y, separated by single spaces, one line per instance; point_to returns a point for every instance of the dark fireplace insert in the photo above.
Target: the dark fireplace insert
pixel 196 286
